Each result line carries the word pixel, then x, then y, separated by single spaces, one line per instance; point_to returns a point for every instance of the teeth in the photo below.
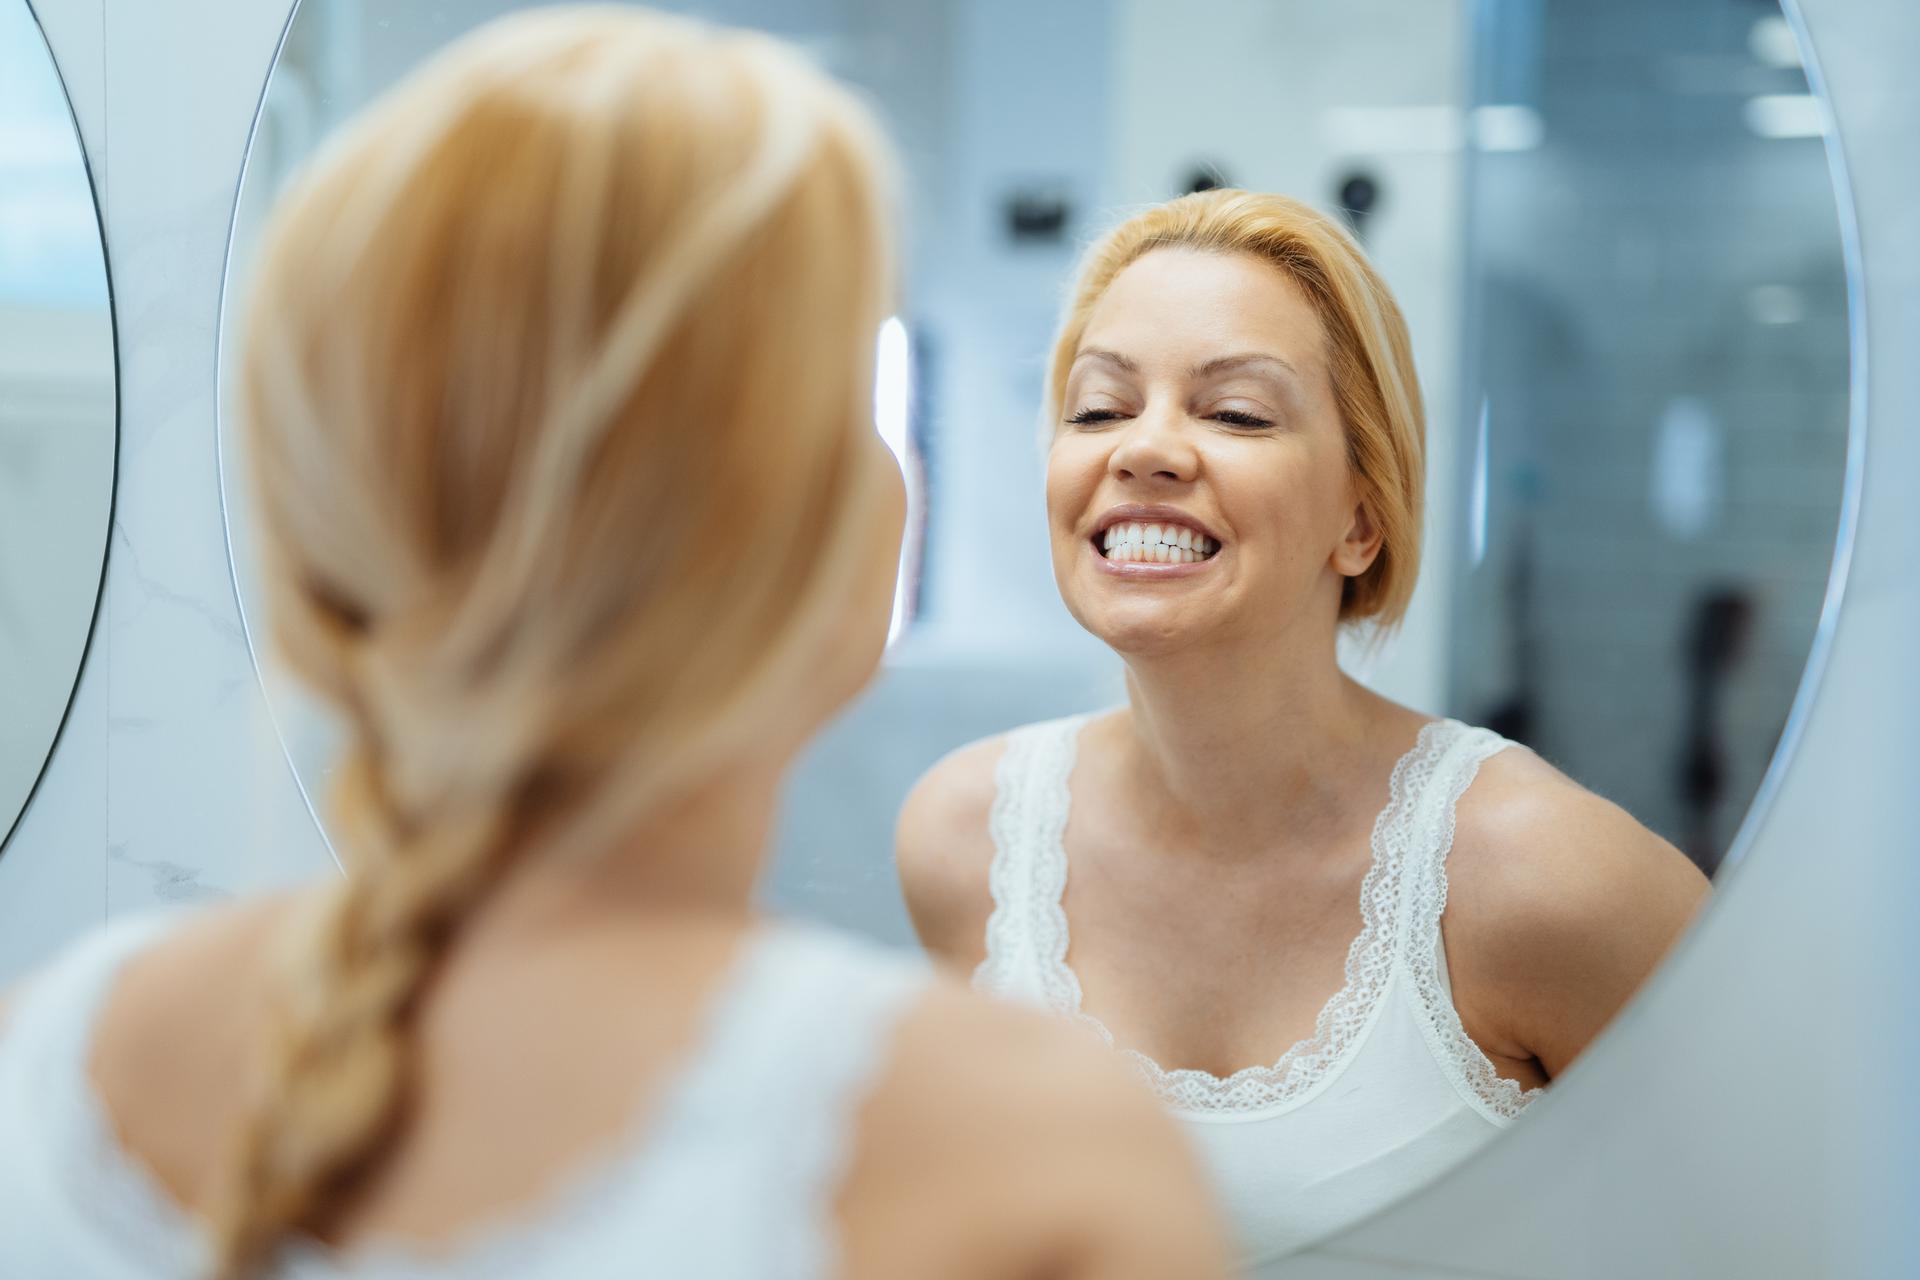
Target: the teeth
pixel 1156 543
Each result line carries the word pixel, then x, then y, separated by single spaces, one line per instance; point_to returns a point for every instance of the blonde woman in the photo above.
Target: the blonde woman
pixel 559 387
pixel 1266 859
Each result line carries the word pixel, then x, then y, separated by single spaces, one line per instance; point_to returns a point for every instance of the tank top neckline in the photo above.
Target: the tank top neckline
pixel 1401 899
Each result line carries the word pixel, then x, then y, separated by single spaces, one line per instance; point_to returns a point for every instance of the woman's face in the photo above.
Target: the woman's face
pixel 1198 488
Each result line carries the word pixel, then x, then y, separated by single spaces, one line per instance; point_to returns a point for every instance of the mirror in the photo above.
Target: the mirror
pixel 58 407
pixel 1613 236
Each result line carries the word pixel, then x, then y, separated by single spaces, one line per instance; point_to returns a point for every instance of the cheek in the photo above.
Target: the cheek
pixel 1288 495
pixel 1073 473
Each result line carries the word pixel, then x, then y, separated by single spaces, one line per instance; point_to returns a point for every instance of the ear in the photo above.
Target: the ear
pixel 1361 545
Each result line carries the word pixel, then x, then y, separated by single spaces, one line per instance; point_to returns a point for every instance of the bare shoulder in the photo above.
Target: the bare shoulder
pixel 1002 1142
pixel 175 1033
pixel 1560 904
pixel 944 851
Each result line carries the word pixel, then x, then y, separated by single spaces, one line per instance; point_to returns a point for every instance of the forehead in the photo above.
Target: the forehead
pixel 1180 307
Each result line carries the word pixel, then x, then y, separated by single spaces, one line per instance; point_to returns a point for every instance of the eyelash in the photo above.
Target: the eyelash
pixel 1232 417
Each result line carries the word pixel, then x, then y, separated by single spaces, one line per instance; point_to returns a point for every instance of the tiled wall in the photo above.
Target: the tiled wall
pixel 1660 310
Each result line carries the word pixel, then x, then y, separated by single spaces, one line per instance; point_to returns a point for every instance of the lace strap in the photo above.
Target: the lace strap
pixel 1424 900
pixel 1027 932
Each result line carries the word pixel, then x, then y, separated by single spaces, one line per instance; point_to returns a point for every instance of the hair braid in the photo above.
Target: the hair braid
pixel 340 1063
pixel 481 327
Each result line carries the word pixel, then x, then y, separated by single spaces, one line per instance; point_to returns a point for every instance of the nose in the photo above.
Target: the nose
pixel 1153 447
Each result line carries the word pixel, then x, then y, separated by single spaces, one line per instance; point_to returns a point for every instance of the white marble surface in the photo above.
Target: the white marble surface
pixel 199 803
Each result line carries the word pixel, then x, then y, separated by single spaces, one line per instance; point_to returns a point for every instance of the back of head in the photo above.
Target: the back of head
pixel 1370 355
pixel 557 371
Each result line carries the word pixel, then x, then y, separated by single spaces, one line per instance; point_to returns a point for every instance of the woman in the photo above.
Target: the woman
pixel 559 380
pixel 1235 474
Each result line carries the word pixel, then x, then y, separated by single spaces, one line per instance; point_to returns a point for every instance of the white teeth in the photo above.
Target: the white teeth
pixel 1156 543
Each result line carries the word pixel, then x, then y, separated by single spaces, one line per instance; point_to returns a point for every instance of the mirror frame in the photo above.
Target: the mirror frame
pixel 1377 1237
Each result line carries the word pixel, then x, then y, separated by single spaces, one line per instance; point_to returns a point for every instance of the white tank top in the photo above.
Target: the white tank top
pixel 733 1175
pixel 1388 1092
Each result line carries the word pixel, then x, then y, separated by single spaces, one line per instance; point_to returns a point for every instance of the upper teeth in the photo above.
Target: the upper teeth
pixel 1165 543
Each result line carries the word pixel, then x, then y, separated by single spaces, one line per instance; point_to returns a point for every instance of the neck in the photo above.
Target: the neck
pixel 695 861
pixel 1237 741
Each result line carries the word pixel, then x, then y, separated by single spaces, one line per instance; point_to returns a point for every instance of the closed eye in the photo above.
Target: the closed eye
pixel 1234 418
pixel 1086 416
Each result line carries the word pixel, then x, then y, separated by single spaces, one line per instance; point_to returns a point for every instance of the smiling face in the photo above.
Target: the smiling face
pixel 1198 487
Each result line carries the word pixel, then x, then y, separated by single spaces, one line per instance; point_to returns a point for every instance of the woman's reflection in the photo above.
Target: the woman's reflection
pixel 1236 473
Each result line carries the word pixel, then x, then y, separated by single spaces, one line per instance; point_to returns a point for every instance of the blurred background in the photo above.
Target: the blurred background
pixel 1613 233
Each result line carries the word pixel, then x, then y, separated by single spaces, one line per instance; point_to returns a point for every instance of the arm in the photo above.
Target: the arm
pixel 1560 906
pixel 944 853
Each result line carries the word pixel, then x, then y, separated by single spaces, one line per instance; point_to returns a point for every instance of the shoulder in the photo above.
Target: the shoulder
pixel 153 1005
pixel 944 849
pixel 1008 1136
pixel 1560 904
pixel 74 983
pixel 175 1031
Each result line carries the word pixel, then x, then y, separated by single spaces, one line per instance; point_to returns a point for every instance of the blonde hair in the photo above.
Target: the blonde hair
pixel 1370 356
pixel 557 363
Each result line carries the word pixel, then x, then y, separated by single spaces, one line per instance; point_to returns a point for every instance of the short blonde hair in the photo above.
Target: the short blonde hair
pixel 556 372
pixel 1370 356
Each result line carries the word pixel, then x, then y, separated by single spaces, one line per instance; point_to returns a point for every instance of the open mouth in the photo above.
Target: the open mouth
pixel 1148 542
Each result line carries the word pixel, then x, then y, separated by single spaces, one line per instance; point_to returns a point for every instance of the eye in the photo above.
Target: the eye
pixel 1086 416
pixel 1235 418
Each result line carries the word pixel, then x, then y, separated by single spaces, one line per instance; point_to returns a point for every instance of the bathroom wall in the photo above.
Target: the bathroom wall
pixel 1659 305
pixel 167 785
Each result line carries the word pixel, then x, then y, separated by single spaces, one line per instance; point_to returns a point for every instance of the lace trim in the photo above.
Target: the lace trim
pixel 1028 824
pixel 1460 1057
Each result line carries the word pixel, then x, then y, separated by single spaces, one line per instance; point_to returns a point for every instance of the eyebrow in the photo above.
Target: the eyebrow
pixel 1222 364
pixel 1226 363
pixel 1113 358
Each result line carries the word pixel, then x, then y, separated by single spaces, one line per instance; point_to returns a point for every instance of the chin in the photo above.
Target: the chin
pixel 1142 628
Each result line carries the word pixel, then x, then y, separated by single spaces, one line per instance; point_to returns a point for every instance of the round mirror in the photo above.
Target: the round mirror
pixel 58 407
pixel 1613 236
